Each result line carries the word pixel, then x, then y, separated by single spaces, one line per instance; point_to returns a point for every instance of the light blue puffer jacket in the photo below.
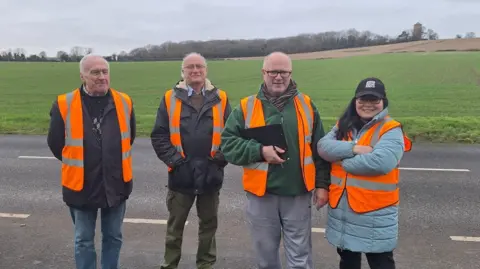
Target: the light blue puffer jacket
pixel 371 232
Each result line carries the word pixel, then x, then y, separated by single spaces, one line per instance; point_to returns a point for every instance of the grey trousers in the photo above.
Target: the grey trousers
pixel 272 216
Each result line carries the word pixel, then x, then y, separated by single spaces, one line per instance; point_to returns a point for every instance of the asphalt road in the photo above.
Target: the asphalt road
pixel 435 205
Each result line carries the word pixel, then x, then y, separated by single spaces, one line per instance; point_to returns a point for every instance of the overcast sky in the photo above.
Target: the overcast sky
pixel 111 26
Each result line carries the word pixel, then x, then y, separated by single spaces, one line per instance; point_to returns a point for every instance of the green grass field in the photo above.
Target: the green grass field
pixel 434 95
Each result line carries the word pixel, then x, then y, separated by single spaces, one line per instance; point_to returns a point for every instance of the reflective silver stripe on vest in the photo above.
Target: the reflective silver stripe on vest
pixel 364 184
pixel 174 130
pixel 72 162
pixel 126 154
pixel 308 160
pixel 262 166
pixel 126 135
pixel 336 180
pixel 250 103
pixel 308 136
pixel 69 141
pixel 73 142
pixel 370 185
pixel 215 128
pixel 376 133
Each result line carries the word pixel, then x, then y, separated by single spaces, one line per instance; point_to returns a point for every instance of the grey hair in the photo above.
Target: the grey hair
pixel 187 56
pixel 88 56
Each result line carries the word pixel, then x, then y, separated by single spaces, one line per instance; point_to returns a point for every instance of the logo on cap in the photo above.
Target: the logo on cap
pixel 370 84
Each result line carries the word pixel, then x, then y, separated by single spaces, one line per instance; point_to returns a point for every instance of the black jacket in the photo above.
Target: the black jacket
pixel 104 186
pixel 198 173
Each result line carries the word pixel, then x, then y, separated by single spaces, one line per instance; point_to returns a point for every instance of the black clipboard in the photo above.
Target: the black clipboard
pixel 268 135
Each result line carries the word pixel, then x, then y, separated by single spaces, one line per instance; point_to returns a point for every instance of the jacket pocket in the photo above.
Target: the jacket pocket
pixel 181 176
pixel 215 173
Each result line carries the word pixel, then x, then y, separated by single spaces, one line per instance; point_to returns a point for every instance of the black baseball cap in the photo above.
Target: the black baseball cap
pixel 371 86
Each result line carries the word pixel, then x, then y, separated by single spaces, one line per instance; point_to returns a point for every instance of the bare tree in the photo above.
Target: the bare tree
pixel 63 56
pixel 470 35
pixel 431 35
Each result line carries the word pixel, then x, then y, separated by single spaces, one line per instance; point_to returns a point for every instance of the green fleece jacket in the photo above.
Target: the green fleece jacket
pixel 286 180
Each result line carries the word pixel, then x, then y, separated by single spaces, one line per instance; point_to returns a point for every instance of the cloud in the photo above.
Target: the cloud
pixel 112 26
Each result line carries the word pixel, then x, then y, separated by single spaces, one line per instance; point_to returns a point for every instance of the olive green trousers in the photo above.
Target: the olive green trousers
pixel 179 205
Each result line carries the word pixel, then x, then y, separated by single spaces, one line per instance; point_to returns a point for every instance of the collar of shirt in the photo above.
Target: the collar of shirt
pixel 190 91
pixel 84 89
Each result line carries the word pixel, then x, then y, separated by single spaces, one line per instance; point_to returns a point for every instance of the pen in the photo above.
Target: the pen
pixel 285 160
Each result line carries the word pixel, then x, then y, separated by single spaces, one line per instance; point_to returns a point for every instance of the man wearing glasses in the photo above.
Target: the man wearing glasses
pixel 186 137
pixel 279 184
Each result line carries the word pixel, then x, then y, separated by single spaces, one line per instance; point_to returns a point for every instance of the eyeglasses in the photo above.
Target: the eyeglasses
pixel 374 101
pixel 274 73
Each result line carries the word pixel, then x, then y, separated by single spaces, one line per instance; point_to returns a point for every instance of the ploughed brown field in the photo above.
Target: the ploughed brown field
pixel 471 44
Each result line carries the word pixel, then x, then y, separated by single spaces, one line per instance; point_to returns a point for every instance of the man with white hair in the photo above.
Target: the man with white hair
pixel 91 132
pixel 186 137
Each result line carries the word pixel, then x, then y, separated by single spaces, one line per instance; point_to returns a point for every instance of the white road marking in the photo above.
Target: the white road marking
pixel 465 238
pixel 434 169
pixel 37 157
pixel 164 222
pixel 12 215
pixel 318 230
pixel 401 168
pixel 147 221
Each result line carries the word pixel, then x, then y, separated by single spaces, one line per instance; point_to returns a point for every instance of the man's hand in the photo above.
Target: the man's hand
pixel 177 163
pixel 218 159
pixel 357 149
pixel 320 198
pixel 270 154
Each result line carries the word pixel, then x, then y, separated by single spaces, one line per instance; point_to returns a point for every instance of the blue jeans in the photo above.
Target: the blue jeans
pixel 84 222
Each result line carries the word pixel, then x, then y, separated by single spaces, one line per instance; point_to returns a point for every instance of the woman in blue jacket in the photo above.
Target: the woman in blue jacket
pixel 365 148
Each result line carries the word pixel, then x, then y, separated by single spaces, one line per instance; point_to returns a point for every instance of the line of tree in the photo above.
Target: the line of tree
pixel 219 49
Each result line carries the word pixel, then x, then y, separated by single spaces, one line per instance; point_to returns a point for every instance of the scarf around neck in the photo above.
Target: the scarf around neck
pixel 280 101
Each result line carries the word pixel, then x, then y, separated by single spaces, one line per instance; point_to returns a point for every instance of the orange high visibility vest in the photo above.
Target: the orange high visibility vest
pixel 368 193
pixel 70 106
pixel 174 109
pixel 255 174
